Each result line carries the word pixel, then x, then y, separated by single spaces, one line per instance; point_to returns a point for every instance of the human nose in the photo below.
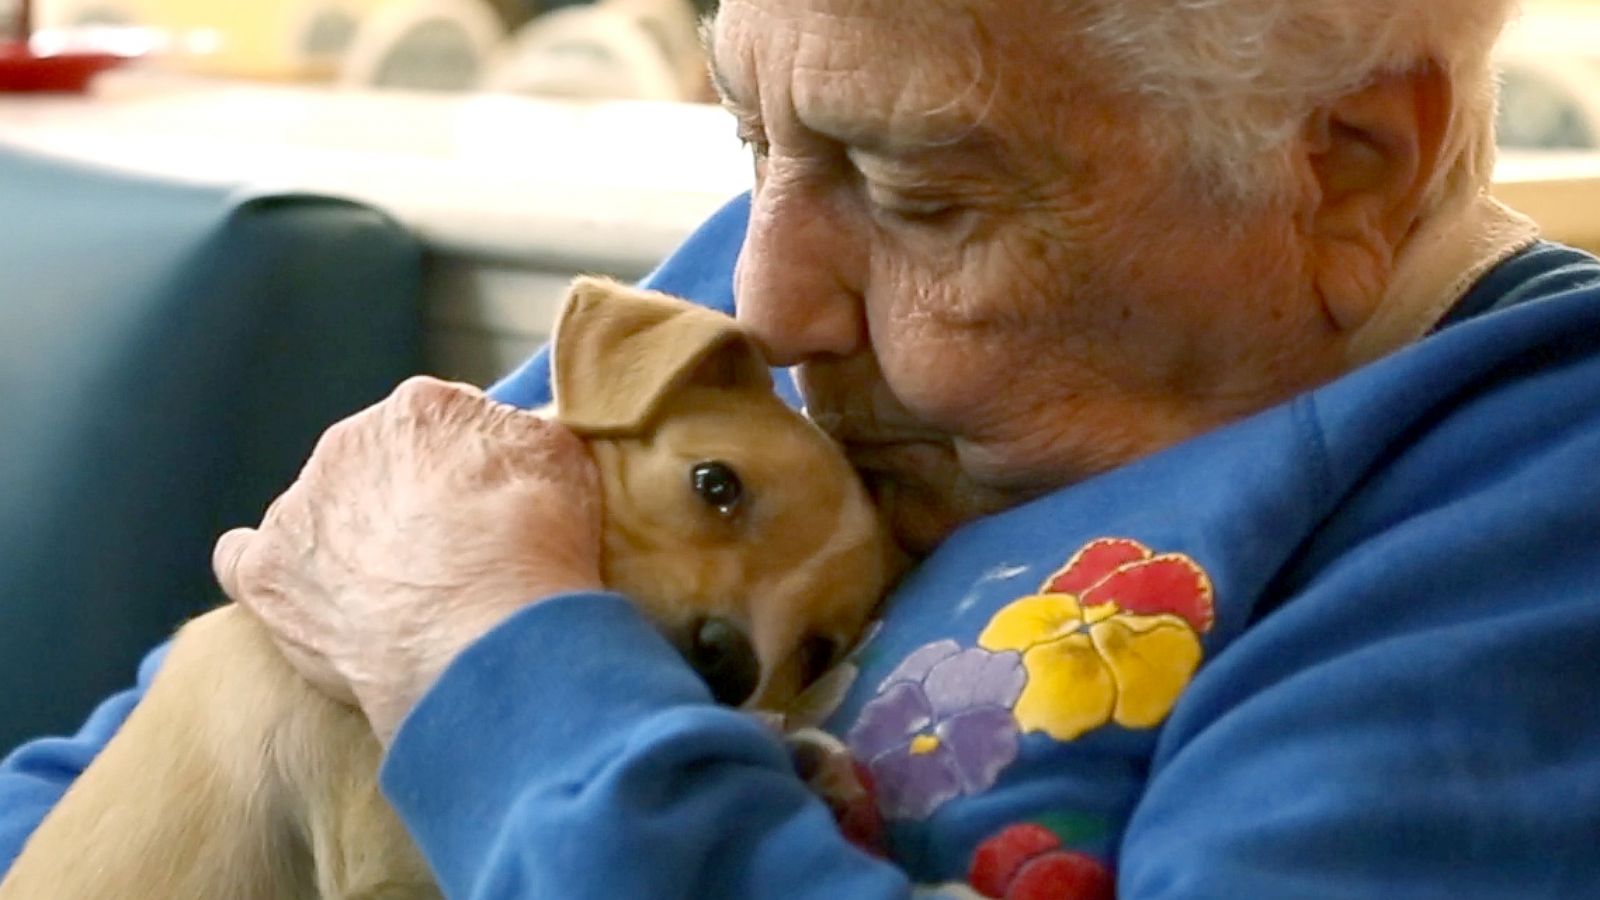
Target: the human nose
pixel 798 274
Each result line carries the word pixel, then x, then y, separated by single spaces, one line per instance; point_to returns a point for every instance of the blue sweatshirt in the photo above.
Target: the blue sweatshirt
pixel 1349 647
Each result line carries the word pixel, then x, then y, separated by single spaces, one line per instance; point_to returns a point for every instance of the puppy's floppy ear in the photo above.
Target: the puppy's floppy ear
pixel 619 352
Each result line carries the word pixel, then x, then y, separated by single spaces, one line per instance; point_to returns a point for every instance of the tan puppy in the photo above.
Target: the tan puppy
pixel 729 519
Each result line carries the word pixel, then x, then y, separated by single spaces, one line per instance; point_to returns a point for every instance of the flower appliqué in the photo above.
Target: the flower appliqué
pixel 1112 636
pixel 939 727
pixel 1028 862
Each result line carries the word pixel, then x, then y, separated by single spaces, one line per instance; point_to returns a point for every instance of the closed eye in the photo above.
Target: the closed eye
pixel 910 207
pixel 919 211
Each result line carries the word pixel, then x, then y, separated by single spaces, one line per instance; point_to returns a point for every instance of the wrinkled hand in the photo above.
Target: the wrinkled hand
pixel 417 526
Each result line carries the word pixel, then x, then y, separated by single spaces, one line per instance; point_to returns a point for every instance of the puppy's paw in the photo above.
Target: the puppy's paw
pixel 824 763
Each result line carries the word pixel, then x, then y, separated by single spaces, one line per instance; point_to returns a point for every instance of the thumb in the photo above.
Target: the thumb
pixel 226 558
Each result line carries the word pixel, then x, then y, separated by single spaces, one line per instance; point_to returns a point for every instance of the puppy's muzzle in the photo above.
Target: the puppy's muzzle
pixel 724 658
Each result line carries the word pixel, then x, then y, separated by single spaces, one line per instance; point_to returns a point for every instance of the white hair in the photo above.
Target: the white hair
pixel 1235 78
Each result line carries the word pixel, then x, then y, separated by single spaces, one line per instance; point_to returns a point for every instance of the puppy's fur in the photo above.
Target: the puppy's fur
pixel 233 778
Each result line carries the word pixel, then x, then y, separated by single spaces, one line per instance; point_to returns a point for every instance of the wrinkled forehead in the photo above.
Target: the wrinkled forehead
pixel 862 71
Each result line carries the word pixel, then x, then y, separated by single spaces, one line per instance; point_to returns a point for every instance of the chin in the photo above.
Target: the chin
pixel 922 512
pixel 921 488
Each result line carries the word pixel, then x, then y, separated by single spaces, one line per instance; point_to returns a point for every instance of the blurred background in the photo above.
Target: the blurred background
pixel 641 49
pixel 225 224
pixel 635 49
pixel 509 133
pixel 1550 63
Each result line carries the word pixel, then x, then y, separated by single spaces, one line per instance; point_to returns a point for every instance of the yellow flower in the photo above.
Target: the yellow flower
pixel 1092 659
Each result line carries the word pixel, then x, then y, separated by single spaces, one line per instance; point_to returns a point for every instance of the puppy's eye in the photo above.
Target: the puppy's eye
pixel 717 484
pixel 816 656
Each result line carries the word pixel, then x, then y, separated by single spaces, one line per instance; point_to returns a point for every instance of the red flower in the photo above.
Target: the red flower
pixel 1129 574
pixel 1026 862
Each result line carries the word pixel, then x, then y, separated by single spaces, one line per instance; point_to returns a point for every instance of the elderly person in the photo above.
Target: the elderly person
pixel 1248 447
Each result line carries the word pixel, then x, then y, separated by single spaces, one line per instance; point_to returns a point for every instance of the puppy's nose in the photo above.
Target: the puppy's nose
pixel 725 659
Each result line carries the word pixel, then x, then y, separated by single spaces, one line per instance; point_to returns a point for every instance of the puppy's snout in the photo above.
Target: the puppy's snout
pixel 724 657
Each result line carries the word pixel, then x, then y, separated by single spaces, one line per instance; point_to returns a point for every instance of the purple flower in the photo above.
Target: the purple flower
pixel 940 727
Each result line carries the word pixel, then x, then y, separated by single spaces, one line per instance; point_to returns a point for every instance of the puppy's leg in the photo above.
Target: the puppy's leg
pixel 358 846
pixel 217 787
pixel 180 803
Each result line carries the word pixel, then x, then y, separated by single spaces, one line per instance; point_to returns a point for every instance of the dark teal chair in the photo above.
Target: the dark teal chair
pixel 168 356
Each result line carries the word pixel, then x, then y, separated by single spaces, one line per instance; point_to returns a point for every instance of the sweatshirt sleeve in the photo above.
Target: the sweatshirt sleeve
pixel 1417 717
pixel 35 775
pixel 571 753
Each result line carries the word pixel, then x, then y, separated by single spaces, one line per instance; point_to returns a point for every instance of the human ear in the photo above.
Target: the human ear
pixel 1368 159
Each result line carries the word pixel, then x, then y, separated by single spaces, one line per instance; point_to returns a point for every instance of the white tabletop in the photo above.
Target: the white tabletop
pixel 582 185
pixel 512 194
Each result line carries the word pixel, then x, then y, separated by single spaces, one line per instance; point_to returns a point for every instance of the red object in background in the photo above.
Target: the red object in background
pixel 22 70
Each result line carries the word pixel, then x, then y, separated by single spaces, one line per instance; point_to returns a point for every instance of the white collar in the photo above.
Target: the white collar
pixel 1439 264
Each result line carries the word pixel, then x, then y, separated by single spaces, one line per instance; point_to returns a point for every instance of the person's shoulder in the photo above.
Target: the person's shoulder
pixel 1476 443
pixel 1531 322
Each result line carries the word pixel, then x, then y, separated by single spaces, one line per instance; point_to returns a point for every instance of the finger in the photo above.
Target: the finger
pixel 315 668
pixel 238 561
pixel 423 393
pixel 554 452
pixel 530 431
pixel 429 384
pixel 226 558
pixel 556 438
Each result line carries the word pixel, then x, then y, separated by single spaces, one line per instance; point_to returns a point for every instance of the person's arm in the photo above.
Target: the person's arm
pixel 1418 719
pixel 642 788
pixel 35 775
pixel 622 779
pixel 658 791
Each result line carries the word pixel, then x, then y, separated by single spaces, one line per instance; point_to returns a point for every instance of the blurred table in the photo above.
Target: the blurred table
pixel 513 194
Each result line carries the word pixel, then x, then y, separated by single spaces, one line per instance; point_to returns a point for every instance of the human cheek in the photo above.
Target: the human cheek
pixel 953 313
pixel 933 367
